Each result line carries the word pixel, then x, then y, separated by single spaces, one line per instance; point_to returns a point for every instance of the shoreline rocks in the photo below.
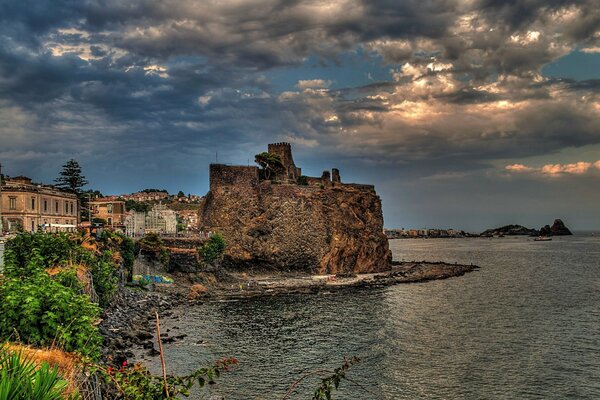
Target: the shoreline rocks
pixel 129 322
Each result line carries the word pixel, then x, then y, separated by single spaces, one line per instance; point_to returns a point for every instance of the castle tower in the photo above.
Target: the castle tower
pixel 335 176
pixel 284 151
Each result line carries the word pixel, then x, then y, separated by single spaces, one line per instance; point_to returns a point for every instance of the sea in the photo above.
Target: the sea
pixel 526 325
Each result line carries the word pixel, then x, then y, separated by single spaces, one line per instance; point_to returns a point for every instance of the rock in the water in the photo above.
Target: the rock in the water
pixel 558 228
pixel 510 230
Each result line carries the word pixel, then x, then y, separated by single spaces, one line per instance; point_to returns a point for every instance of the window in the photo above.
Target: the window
pixel 56 208
pixel 109 221
pixel 66 207
pixel 71 208
pixel 109 208
pixel 45 205
pixel 12 203
pixel 33 203
pixel 32 226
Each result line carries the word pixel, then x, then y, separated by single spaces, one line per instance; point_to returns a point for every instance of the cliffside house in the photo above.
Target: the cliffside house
pixel 31 206
pixel 145 196
pixel 108 209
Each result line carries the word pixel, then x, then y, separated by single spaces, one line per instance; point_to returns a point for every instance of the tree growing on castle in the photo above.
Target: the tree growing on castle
pixel 270 163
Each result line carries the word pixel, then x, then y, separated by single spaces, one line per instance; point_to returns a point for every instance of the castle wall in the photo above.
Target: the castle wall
pixel 233 176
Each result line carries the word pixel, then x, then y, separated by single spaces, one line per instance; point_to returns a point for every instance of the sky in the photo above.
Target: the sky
pixel 464 114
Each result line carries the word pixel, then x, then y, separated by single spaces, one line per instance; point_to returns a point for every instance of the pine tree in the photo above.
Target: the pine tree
pixel 70 178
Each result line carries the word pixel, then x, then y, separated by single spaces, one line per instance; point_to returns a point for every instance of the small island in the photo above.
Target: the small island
pixel 558 228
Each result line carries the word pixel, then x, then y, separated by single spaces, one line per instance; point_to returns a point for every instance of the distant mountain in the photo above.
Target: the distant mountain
pixel 558 228
pixel 510 230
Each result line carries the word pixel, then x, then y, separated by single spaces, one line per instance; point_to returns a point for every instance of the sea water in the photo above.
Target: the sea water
pixel 524 326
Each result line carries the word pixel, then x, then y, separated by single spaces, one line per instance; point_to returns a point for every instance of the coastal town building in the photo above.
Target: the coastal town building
pixel 189 218
pixel 135 223
pixel 161 220
pixel 108 209
pixel 145 196
pixel 31 206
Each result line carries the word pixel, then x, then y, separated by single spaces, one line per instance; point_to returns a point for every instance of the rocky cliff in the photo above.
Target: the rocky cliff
pixel 558 228
pixel 293 227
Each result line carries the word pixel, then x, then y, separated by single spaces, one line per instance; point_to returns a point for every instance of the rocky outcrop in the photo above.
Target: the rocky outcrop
pixel 293 227
pixel 558 228
pixel 510 230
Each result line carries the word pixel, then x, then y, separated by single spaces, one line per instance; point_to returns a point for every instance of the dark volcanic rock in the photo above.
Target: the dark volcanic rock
pixel 558 228
pixel 294 227
pixel 510 230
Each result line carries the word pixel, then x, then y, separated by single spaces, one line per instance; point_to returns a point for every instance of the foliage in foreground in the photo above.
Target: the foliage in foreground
pixel 40 311
pixel 22 379
pixel 136 382
pixel 213 248
pixel 44 295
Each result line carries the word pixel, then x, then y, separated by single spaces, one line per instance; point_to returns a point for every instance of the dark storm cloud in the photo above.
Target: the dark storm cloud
pixel 143 84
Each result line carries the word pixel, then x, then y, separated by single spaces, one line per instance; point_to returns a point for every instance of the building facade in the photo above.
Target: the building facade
pixel 110 210
pixel 29 206
pixel 135 223
pixel 161 220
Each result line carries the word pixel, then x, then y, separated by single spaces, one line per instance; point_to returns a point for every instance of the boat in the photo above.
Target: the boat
pixel 542 239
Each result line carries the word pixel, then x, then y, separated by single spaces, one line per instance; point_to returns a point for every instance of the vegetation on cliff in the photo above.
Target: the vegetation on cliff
pixel 270 163
pixel 49 283
pixel 213 249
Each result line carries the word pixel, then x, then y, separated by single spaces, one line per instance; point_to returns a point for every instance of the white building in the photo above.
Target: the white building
pixel 135 223
pixel 161 220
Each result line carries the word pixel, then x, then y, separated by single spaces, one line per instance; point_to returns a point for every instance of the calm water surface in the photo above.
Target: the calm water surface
pixel 525 326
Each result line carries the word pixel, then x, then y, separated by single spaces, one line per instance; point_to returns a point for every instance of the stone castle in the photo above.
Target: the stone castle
pixel 249 176
pixel 294 222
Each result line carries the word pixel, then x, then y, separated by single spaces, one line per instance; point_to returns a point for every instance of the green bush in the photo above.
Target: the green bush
pixel 213 248
pixel 48 250
pixel 40 311
pixel 21 379
pixel 105 280
pixel 153 246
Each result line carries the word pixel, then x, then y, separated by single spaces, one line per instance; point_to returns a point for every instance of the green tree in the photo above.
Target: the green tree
pixel 180 194
pixel 270 163
pixel 213 249
pixel 71 178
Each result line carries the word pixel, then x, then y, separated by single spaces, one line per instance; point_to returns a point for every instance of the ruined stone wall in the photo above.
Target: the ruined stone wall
pixel 232 176
pixel 291 227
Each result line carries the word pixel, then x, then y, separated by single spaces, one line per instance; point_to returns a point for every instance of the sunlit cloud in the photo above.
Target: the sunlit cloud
pixel 555 170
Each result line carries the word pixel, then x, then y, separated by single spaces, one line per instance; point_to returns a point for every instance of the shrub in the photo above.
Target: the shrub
pixel 153 246
pixel 303 180
pixel 40 311
pixel 105 280
pixel 21 378
pixel 136 382
pixel 213 248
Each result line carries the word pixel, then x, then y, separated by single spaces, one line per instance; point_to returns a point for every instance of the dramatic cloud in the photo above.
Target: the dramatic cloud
pixel 443 88
pixel 555 170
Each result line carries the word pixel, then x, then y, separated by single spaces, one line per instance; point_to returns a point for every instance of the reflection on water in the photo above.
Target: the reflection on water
pixel 527 325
